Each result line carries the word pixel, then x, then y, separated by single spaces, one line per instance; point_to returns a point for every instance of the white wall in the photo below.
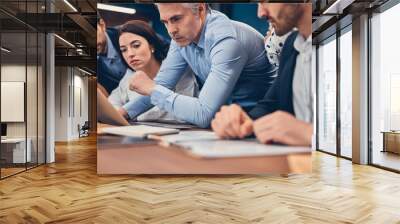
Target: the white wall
pixel 80 108
pixel 71 94
pixel 61 104
pixel 33 127
pixel 16 73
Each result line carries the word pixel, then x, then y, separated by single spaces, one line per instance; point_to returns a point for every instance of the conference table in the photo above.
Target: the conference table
pixel 127 155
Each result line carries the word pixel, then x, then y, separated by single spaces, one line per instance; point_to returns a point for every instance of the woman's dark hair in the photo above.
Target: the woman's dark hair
pixel 143 29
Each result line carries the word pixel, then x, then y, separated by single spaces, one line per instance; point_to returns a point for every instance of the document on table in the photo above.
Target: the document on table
pixel 207 144
pixel 165 124
pixel 239 148
pixel 185 136
pixel 141 131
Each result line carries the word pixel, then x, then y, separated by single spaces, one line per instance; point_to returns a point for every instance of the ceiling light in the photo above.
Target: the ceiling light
pixel 84 71
pixel 65 41
pixel 337 7
pixel 5 50
pixel 116 8
pixel 70 5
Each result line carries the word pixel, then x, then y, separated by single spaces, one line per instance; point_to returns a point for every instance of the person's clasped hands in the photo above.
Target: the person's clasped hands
pixel 278 127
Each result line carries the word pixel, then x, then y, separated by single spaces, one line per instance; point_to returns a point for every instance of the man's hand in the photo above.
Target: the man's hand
pixel 123 112
pixel 141 83
pixel 282 127
pixel 232 122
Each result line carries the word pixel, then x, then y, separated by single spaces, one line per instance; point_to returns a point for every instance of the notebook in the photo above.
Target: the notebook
pixel 139 131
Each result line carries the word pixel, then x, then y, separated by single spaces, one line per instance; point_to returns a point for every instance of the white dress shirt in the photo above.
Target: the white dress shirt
pixel 303 82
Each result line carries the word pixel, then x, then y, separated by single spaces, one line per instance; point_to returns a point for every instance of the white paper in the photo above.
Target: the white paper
pixel 238 148
pixel 140 131
pixel 185 136
pixel 207 144
pixel 167 124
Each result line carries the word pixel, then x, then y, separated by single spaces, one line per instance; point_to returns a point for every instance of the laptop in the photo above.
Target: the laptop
pixel 106 113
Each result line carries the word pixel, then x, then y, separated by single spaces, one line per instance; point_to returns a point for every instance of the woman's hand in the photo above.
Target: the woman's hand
pixel 123 112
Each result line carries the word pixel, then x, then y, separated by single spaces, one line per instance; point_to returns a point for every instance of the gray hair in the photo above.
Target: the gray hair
pixel 193 6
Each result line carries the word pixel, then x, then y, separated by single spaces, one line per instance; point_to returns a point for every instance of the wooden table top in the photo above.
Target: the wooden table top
pixel 126 155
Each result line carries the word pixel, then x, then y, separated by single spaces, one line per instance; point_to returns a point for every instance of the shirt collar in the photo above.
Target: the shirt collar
pixel 302 45
pixel 111 52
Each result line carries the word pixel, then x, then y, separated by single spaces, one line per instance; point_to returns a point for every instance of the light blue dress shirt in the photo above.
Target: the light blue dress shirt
pixel 230 64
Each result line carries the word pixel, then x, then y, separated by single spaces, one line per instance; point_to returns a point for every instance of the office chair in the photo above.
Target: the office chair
pixel 84 130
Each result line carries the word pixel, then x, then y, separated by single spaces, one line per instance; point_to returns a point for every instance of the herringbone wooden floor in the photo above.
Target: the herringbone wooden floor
pixel 69 191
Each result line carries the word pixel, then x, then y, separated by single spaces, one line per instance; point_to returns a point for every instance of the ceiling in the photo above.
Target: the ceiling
pixel 18 17
pixel 330 15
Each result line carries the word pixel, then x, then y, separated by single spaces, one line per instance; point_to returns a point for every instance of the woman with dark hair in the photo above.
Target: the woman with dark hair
pixel 143 51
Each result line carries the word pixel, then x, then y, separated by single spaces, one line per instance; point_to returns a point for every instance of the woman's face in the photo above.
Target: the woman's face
pixel 136 50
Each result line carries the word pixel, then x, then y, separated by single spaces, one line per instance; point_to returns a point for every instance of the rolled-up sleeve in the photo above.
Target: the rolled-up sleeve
pixel 227 61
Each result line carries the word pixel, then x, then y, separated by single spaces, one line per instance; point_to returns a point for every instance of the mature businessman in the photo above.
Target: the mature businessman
pixel 227 57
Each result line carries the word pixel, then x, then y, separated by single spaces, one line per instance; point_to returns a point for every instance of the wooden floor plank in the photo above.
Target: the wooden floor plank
pixel 70 191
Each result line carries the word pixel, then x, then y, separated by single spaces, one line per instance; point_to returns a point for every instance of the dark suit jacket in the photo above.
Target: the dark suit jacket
pixel 107 76
pixel 280 95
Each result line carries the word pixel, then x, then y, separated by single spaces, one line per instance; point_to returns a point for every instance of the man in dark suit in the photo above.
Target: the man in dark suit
pixel 110 65
pixel 285 114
